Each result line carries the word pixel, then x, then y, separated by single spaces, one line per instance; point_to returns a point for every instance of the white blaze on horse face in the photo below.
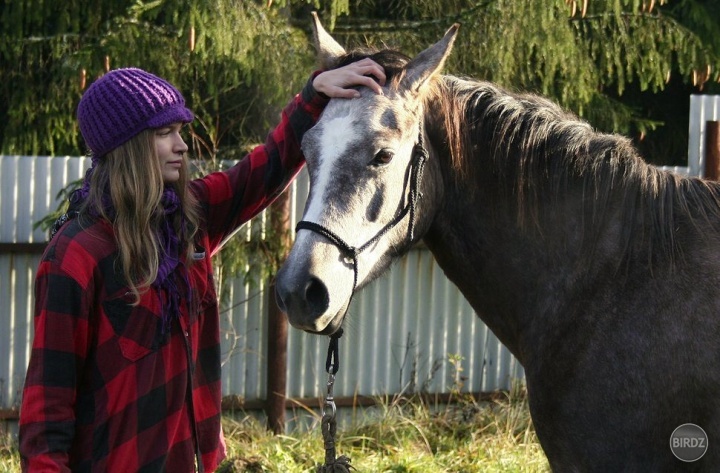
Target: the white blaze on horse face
pixel 337 134
pixel 327 144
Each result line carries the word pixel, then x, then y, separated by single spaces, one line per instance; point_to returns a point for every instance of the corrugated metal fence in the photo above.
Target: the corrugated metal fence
pixel 703 108
pixel 401 330
pixel 28 186
pixel 400 333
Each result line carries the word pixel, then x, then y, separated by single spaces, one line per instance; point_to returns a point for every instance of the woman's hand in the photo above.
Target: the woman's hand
pixel 339 83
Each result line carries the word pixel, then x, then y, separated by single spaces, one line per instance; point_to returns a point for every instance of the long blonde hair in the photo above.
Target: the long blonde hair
pixel 132 176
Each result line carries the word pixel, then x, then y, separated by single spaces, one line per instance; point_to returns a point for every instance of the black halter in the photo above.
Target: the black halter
pixel 417 164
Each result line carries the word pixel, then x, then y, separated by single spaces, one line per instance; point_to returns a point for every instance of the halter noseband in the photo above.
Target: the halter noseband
pixel 417 164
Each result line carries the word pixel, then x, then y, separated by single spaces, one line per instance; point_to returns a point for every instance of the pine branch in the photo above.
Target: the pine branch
pixel 39 39
pixel 603 16
pixel 354 26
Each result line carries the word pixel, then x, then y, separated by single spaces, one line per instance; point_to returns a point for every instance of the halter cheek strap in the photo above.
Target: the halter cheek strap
pixel 417 165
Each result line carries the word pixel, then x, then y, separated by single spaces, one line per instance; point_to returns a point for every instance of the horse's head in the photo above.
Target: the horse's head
pixel 368 200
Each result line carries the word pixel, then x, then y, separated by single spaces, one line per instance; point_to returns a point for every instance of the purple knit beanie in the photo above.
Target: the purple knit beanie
pixel 124 102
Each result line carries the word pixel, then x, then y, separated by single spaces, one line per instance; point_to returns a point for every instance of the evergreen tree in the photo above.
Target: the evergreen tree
pixel 236 62
pixel 614 63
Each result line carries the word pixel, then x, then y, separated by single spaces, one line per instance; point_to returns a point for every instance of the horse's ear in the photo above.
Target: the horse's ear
pixel 428 62
pixel 328 50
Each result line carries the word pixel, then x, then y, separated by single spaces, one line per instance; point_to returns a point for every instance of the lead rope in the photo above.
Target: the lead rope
pixel 333 464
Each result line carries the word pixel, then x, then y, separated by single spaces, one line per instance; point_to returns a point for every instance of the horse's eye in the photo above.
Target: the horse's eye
pixel 382 158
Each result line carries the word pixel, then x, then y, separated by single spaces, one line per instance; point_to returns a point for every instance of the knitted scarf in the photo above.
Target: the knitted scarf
pixel 168 239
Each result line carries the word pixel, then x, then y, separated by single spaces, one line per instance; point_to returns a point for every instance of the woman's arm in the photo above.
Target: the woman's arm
pixel 60 346
pixel 233 197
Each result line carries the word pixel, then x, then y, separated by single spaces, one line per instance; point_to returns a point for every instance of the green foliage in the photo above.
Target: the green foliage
pixel 238 61
pixel 231 59
pixel 62 196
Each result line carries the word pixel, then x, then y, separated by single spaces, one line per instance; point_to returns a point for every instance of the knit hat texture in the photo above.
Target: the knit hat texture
pixel 124 102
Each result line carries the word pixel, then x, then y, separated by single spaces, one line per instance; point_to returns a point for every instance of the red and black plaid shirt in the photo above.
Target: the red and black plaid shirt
pixel 106 391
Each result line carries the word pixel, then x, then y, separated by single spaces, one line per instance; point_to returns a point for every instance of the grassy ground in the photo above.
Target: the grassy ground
pixel 400 436
pixel 9 461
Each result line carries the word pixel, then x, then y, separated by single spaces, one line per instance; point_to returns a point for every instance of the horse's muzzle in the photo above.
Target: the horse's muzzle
pixel 305 301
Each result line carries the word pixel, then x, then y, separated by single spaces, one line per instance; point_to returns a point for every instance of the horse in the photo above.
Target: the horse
pixel 598 271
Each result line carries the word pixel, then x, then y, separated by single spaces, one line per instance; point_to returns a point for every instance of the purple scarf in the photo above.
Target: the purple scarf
pixel 167 237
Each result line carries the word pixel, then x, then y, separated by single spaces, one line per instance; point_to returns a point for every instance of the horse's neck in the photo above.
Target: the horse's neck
pixel 476 247
pixel 511 272
pixel 608 220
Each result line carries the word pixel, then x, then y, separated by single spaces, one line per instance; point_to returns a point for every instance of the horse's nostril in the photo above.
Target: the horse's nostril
pixel 280 299
pixel 316 295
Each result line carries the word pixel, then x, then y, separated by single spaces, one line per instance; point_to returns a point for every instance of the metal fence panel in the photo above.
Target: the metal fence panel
pixel 400 331
pixel 17 271
pixel 703 108
pixel 243 337
pixel 29 187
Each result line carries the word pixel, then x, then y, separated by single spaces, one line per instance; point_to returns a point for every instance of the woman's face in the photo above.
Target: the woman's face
pixel 170 148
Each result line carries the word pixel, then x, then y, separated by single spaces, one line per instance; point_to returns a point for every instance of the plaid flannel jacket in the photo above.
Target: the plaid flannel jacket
pixel 105 391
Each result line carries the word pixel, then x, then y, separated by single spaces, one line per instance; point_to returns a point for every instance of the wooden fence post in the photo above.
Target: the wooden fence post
pixel 712 150
pixel 276 374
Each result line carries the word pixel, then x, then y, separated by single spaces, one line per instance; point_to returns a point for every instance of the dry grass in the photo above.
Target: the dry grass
pixel 400 435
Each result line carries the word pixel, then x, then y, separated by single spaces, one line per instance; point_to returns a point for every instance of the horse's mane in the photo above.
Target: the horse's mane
pixel 543 150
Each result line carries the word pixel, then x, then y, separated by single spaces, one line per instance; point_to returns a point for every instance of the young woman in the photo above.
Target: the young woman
pixel 124 374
